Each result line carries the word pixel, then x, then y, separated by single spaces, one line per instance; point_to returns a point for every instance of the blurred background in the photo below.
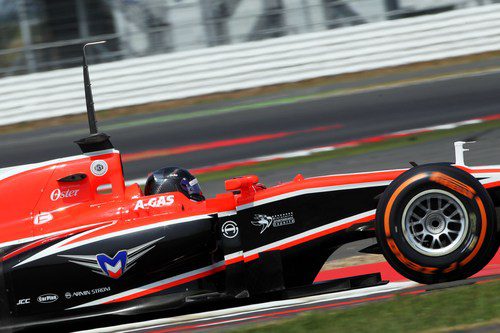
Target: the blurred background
pixel 267 87
pixel 226 87
pixel 42 35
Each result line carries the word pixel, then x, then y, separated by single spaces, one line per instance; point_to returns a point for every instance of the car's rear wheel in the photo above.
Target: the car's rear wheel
pixel 436 223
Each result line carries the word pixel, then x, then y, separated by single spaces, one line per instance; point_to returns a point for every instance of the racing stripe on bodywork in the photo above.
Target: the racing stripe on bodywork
pixel 50 235
pixel 235 257
pixel 79 240
pixel 492 174
pixel 278 197
pixel 488 176
pixel 310 235
pixel 157 286
pixel 16 170
pixel 59 247
pixel 74 241
pixel 39 243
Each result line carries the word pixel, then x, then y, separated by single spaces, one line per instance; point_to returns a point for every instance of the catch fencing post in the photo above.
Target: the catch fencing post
pixel 24 25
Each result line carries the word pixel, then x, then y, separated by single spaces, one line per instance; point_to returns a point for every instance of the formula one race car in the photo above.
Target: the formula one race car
pixel 74 239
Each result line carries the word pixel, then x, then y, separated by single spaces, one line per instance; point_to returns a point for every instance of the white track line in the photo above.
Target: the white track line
pixel 353 143
pixel 227 314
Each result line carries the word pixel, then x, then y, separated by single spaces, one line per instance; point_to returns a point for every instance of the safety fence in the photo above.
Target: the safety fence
pixel 253 64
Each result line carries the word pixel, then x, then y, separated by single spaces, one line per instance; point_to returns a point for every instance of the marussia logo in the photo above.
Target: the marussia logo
pixel 265 221
pixel 113 267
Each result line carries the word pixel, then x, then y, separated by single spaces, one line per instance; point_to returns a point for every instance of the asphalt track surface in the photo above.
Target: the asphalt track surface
pixel 223 319
pixel 246 134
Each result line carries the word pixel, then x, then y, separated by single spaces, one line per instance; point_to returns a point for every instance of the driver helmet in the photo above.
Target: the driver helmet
pixel 174 179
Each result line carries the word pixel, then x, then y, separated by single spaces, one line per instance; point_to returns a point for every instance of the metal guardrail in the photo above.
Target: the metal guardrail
pixel 254 64
pixel 44 35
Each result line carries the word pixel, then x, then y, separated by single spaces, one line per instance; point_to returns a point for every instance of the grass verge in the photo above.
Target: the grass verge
pixel 475 305
pixel 466 132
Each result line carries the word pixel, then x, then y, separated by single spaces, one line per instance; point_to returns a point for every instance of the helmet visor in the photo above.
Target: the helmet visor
pixel 191 187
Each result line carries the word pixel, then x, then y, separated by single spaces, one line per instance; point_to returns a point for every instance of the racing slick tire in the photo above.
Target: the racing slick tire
pixel 436 223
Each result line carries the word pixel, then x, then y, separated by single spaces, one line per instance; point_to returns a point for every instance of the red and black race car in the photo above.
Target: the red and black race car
pixel 75 240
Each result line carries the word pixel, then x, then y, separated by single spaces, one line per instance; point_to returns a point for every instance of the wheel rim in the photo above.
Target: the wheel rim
pixel 435 223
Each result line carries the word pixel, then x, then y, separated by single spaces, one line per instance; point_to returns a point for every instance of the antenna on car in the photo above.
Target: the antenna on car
pixel 96 141
pixel 89 98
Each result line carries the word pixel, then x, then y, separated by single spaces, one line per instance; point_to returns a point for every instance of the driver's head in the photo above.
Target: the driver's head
pixel 174 179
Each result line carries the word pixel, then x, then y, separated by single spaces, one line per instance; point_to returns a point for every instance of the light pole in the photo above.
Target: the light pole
pixel 24 25
pixel 391 8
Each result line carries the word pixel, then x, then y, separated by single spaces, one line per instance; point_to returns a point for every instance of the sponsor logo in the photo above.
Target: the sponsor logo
pixel 58 194
pixel 90 292
pixel 43 218
pixel 230 229
pixel 453 184
pixel 47 298
pixel 99 168
pixel 113 267
pixel 263 221
pixel 24 301
pixel 162 201
pixel 266 221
